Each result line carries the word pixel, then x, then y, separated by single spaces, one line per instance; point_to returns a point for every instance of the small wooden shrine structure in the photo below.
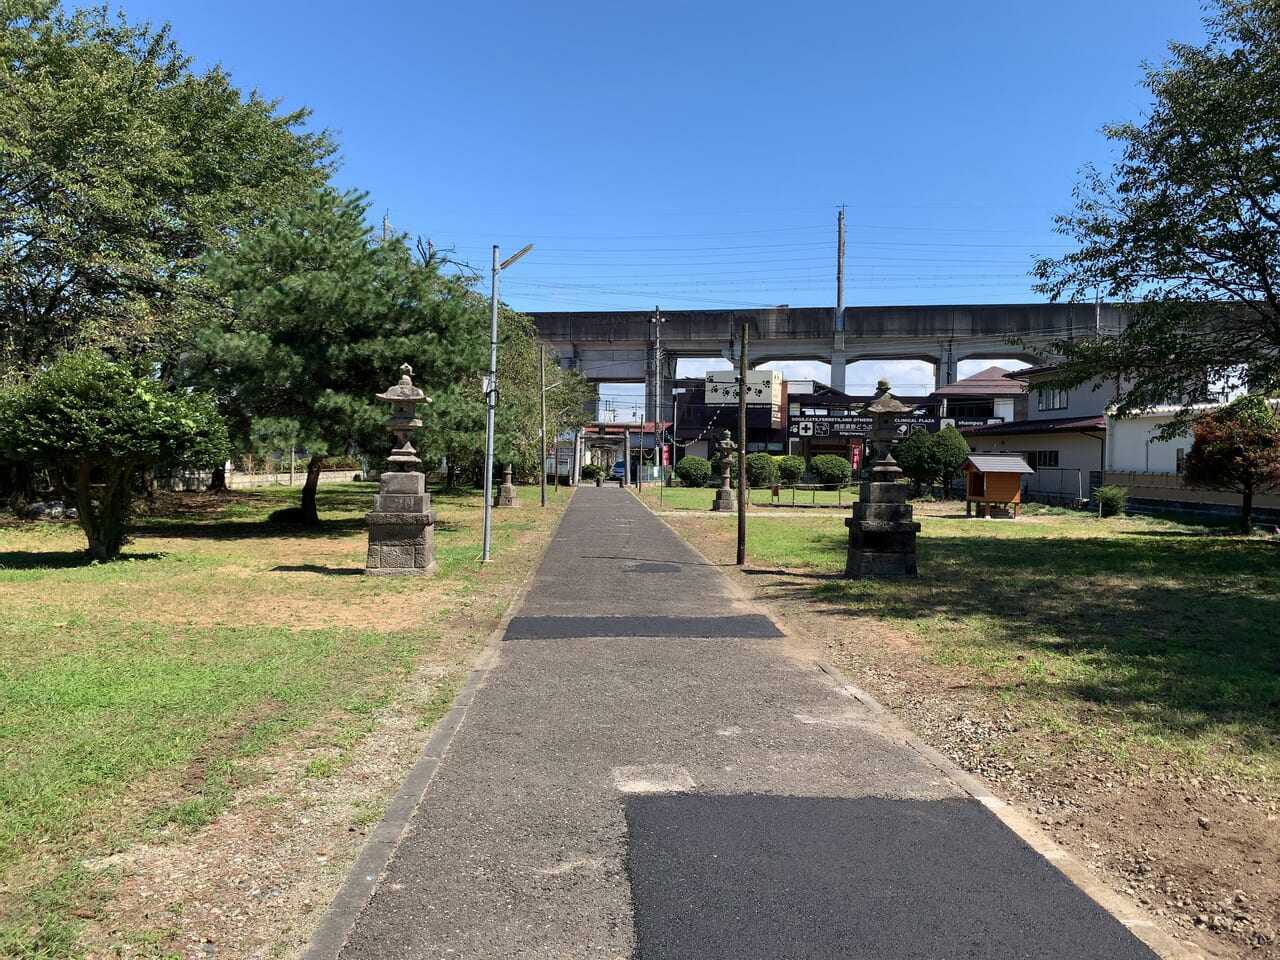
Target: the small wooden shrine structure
pixel 994 482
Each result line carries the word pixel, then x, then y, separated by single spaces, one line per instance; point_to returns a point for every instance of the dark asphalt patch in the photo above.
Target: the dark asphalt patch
pixel 655 568
pixel 745 627
pixel 749 877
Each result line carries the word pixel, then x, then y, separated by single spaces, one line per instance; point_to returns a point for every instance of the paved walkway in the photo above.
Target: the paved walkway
pixel 644 772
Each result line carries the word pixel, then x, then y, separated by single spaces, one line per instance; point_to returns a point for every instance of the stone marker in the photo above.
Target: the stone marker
pixel 402 523
pixel 882 534
pixel 725 497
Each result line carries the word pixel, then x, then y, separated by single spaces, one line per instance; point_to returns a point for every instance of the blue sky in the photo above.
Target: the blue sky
pixel 694 154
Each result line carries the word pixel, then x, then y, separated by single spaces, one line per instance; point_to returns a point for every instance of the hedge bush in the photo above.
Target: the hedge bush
pixel 762 470
pixel 829 468
pixel 1112 501
pixel 790 469
pixel 693 471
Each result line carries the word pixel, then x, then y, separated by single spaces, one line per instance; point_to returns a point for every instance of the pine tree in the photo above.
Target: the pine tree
pixel 322 316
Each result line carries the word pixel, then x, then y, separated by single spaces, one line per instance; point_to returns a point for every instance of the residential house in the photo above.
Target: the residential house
pixel 1062 437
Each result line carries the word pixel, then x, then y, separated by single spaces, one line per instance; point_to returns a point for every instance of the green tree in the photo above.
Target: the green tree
pixel 917 456
pixel 120 167
pixel 322 316
pixel 951 450
pixel 1186 227
pixel 1237 448
pixel 95 425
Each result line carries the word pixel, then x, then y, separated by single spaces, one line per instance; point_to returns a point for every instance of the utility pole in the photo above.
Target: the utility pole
pixel 542 429
pixel 742 450
pixel 840 270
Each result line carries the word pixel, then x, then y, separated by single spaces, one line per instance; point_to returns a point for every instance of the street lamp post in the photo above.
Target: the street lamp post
pixel 491 395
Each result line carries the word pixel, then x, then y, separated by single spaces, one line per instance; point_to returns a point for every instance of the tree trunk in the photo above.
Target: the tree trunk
pixel 1246 511
pixel 218 481
pixel 104 510
pixel 310 516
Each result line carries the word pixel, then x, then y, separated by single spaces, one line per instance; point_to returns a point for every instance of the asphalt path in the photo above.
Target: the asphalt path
pixel 646 772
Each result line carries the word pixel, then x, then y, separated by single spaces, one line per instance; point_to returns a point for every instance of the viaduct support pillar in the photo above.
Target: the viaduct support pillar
pixel 945 370
pixel 839 360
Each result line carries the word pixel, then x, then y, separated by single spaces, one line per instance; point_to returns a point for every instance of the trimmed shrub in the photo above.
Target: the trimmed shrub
pixel 790 469
pixel 829 468
pixel 591 471
pixel 1112 501
pixel 762 470
pixel 693 471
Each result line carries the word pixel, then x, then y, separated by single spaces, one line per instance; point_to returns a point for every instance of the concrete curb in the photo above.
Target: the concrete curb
pixel 330 935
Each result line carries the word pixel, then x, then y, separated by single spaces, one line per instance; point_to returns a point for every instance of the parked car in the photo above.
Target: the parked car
pixel 619 470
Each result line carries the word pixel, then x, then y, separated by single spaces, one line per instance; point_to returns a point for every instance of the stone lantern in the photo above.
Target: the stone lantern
pixel 506 495
pixel 402 523
pixel 725 499
pixel 882 533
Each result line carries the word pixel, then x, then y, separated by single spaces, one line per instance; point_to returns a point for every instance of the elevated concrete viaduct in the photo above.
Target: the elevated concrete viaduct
pixel 620 347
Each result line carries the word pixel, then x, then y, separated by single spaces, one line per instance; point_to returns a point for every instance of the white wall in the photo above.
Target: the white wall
pixel 1131 447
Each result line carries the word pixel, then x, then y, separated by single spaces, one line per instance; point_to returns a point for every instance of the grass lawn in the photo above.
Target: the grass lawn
pixel 138 695
pixel 1141 640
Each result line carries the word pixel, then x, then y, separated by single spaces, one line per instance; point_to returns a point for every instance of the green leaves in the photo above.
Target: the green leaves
pixel 321 317
pixel 85 409
pixel 119 168
pixel 93 423
pixel 1187 225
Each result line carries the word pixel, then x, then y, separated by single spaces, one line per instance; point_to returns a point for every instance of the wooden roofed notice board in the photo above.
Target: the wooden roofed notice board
pixel 994 480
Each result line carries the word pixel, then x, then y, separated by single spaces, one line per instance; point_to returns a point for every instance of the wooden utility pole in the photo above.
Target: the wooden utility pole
pixel 742 449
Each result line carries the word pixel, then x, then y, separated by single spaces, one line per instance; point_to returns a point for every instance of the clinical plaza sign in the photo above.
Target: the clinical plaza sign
pixel 848 425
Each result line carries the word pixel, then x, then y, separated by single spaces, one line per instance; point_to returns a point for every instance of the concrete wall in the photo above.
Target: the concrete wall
pixel 1165 491
pixel 191 481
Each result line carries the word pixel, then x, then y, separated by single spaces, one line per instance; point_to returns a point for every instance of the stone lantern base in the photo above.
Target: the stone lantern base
pixel 882 534
pixel 402 528
pixel 726 499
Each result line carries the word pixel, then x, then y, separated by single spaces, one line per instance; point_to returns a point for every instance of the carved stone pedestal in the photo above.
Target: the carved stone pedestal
pixel 402 528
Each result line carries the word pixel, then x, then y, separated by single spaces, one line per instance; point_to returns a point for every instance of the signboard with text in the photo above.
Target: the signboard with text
pixel 847 425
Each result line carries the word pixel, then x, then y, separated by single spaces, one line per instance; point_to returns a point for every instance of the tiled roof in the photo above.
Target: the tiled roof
pixel 991 382
pixel 1055 425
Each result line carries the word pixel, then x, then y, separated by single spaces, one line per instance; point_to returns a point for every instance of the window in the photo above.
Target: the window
pixel 1180 460
pixel 1042 458
pixel 1050 399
